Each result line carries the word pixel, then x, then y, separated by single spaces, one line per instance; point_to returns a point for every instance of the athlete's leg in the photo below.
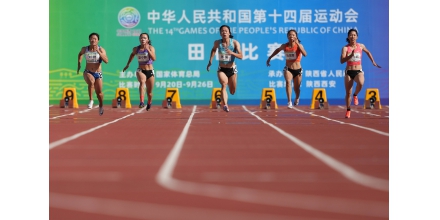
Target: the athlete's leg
pixel 296 87
pixel 90 80
pixel 98 90
pixel 348 88
pixel 288 77
pixel 223 79
pixel 359 79
pixel 150 85
pixel 142 79
pixel 232 83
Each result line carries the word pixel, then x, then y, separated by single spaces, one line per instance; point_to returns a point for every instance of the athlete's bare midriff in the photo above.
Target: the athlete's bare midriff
pixel 93 67
pixel 293 65
pixel 353 67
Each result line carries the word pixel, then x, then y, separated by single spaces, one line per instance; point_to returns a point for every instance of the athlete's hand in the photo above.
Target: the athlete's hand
pixel 268 62
pixel 352 52
pixel 209 65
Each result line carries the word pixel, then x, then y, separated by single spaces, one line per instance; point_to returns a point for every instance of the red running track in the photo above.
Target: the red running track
pixel 201 163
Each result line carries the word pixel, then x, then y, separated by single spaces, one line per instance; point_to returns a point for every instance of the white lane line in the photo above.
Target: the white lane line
pixel 341 122
pixel 83 111
pixel 86 176
pixel 347 171
pixel 141 110
pixel 75 136
pixel 365 113
pixel 142 210
pixel 60 116
pixel 291 200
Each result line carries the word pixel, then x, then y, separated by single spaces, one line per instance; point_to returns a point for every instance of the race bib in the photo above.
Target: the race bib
pixel 290 55
pixel 224 57
pixel 92 57
pixel 143 57
pixel 356 57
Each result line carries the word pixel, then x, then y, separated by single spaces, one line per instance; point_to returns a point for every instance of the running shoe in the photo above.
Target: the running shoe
pixel 90 105
pixel 225 108
pixel 148 107
pixel 289 105
pixel 296 102
pixel 141 105
pixel 347 114
pixel 101 110
pixel 355 100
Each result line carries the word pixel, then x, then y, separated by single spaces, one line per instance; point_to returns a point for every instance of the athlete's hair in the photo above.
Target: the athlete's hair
pixel 149 41
pixel 97 35
pixel 230 34
pixel 348 41
pixel 295 33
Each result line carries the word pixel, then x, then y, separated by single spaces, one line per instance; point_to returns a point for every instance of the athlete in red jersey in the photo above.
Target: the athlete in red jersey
pixel 293 52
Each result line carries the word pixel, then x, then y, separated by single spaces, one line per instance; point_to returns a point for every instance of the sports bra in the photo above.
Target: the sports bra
pixel 143 56
pixel 223 57
pixel 357 57
pixel 293 54
pixel 92 57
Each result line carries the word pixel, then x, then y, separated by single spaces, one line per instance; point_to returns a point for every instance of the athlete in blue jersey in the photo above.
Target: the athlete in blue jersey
pixel 92 74
pixel 228 49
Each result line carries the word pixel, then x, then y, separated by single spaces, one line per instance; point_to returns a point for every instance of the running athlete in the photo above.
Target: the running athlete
pixel 94 54
pixel 352 54
pixel 228 50
pixel 145 72
pixel 293 52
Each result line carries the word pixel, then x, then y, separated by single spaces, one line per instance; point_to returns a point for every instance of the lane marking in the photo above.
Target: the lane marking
pixel 341 122
pixel 60 116
pixel 291 200
pixel 142 210
pixel 366 113
pixel 82 111
pixel 75 136
pixel 86 176
pixel 347 171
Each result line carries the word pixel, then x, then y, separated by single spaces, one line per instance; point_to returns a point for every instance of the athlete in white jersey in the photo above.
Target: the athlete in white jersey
pixel 92 74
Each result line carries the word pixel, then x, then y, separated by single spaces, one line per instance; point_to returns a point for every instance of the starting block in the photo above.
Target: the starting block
pixel 69 99
pixel 216 98
pixel 319 99
pixel 268 99
pixel 372 99
pixel 172 98
pixel 122 98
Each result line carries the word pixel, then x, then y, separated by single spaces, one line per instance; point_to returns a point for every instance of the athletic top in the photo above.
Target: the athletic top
pixel 293 54
pixel 92 57
pixel 357 57
pixel 143 56
pixel 223 57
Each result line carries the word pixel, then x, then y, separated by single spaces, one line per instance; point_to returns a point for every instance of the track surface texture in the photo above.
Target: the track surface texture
pixel 198 163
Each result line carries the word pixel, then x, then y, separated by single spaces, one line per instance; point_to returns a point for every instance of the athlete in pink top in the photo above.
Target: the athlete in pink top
pixel 352 54
pixel 293 52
